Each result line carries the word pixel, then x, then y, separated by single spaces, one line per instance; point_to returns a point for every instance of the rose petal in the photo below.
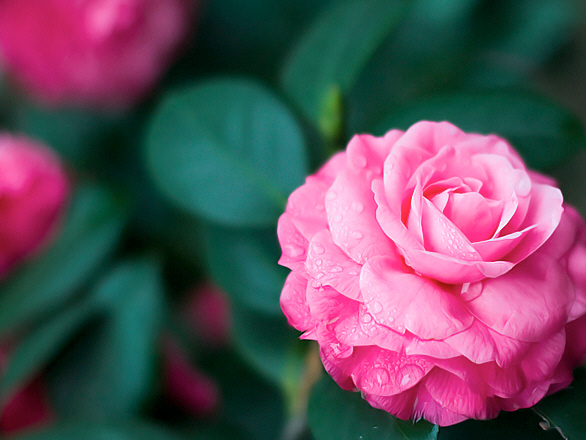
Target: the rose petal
pixel 369 152
pixel 404 301
pixel 293 244
pixel 294 302
pixel 305 205
pixel 385 372
pixel 545 211
pixel 528 303
pixel 451 270
pixel 481 344
pixel 352 220
pixel 452 394
pixel 328 265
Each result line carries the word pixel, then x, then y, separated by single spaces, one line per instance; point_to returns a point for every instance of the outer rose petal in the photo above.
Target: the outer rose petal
pixel 351 218
pixel 294 303
pixel 529 303
pixel 404 301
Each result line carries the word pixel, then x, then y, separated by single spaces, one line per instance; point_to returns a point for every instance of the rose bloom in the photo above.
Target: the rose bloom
pixel 102 53
pixel 33 194
pixel 441 278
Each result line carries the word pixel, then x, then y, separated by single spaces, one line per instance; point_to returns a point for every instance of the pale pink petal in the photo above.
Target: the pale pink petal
pixel 366 152
pixel 351 216
pixel 328 265
pixel 529 303
pixel 545 211
pixel 293 244
pixel 450 270
pixel 404 301
pixel 294 302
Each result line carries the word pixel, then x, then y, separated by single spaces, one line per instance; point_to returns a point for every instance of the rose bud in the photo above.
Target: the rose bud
pixel 184 385
pixel 33 192
pixel 92 53
pixel 208 315
pixel 441 278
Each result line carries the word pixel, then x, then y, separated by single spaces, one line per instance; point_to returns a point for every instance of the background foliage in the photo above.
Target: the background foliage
pixel 187 188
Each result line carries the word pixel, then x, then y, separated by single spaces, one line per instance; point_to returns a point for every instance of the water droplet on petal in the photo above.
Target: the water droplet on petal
pixel 366 318
pixel 377 307
pixel 331 195
pixel 338 218
pixel 318 262
pixel 318 249
pixel 357 207
pixel 293 250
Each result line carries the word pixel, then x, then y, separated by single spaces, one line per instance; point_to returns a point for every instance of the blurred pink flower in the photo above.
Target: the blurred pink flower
pixel 28 408
pixel 33 192
pixel 104 53
pixel 440 277
pixel 186 386
pixel 208 314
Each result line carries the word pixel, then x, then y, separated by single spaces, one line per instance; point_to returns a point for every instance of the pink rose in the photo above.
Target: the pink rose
pixel 105 53
pixel 439 276
pixel 33 192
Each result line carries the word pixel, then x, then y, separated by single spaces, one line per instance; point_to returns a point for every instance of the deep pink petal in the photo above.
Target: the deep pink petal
pixel 454 395
pixel 386 373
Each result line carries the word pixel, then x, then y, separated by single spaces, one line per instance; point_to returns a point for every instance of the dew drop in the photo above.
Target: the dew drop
pixel 357 207
pixel 336 269
pixel 318 249
pixel 331 195
pixel 357 235
pixel 294 251
pixel 319 262
pixel 338 218
pixel 366 318
pixel 377 307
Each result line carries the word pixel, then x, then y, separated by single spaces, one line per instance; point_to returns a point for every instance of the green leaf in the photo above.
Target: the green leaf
pixel 543 133
pixel 91 231
pixel 344 415
pixel 267 342
pixel 74 134
pixel 32 354
pixel 522 424
pixel 228 150
pixel 330 56
pixel 106 374
pixel 244 264
pixel 565 409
